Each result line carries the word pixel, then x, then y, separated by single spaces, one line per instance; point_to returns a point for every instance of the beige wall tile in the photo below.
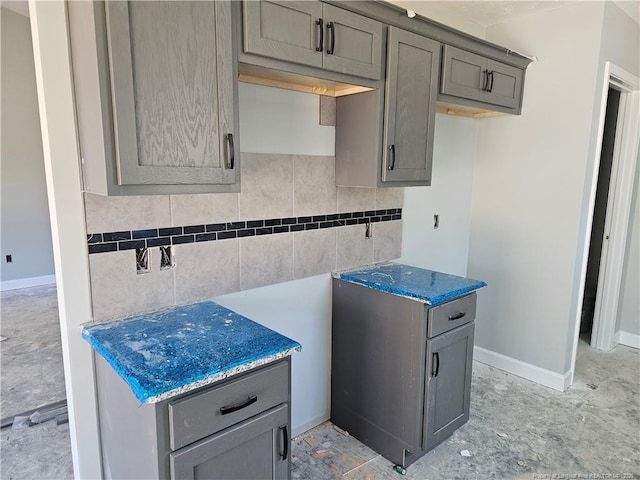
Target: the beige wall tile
pixel 204 270
pixel 267 186
pixel 391 197
pixel 314 185
pixel 265 260
pixel 204 208
pixel 327 111
pixel 117 291
pixel 354 249
pixel 314 252
pixel 112 214
pixel 356 199
pixel 387 240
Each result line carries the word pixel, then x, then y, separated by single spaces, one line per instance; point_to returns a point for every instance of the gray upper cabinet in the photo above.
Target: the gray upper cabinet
pixel 285 30
pixel 470 76
pixel 393 125
pixel 410 97
pixel 314 34
pixel 166 86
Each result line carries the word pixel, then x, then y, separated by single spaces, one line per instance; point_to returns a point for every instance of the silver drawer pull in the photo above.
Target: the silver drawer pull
pixel 234 408
pixel 457 316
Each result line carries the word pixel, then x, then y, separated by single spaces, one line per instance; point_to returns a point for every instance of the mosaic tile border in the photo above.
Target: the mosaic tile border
pixel 157 237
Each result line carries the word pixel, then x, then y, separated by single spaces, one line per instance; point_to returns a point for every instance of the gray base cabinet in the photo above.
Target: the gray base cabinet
pixel 400 370
pixel 449 362
pixel 162 77
pixel 314 34
pixel 235 429
pixel 470 76
pixel 254 449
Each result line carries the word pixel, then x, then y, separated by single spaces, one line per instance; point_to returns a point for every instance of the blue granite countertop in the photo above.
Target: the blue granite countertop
pixel 432 288
pixel 173 351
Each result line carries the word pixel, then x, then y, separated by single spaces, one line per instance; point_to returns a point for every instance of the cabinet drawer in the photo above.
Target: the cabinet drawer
pixel 451 315
pixel 197 416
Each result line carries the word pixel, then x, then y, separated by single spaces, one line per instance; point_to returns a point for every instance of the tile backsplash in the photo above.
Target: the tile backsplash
pixel 289 222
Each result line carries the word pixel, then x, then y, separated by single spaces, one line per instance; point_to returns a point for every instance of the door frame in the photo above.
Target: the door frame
pixel 618 208
pixel 617 216
pixel 49 33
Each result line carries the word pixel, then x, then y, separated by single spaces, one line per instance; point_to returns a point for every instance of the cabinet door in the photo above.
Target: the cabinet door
pixel 256 448
pixel 410 99
pixel 463 73
pixel 172 92
pixel 284 30
pixel 352 43
pixel 504 85
pixel 448 391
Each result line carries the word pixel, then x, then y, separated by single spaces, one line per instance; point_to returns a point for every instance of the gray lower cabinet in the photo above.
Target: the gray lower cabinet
pixel 162 78
pixel 314 34
pixel 400 370
pixel 448 392
pixel 473 77
pixel 254 449
pixel 410 101
pixel 237 428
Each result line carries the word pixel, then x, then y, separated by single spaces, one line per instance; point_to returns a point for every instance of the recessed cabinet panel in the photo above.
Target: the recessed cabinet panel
pixel 449 363
pixel 257 448
pixel 352 44
pixel 474 77
pixel 462 73
pixel 411 89
pixel 172 89
pixel 284 30
pixel 315 34
pixel 505 83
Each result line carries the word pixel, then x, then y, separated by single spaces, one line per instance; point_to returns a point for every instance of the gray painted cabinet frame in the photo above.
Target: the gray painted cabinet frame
pixel 470 76
pixel 189 110
pixel 410 100
pixel 171 77
pixel 136 439
pixel 314 34
pixel 387 387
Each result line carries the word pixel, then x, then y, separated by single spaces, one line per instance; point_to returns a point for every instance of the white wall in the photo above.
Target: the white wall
pixel 444 249
pixel 528 189
pixel 25 232
pixel 628 320
pixel 441 11
pixel 283 121
pixel 302 309
pixel 530 205
pixel 619 30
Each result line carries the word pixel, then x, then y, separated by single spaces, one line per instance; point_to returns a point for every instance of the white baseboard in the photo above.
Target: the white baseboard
pixel 536 374
pixel 27 282
pixel 300 429
pixel 629 339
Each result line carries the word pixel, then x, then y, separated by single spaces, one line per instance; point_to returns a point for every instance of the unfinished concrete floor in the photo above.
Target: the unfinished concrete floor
pixel 32 375
pixel 517 429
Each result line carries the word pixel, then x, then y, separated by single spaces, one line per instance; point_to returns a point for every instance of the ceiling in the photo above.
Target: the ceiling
pixel 482 12
pixel 18 6
pixel 488 13
pixel 491 12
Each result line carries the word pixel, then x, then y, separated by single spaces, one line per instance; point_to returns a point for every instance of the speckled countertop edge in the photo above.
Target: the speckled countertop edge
pixel 222 375
pixel 433 301
pixel 146 397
